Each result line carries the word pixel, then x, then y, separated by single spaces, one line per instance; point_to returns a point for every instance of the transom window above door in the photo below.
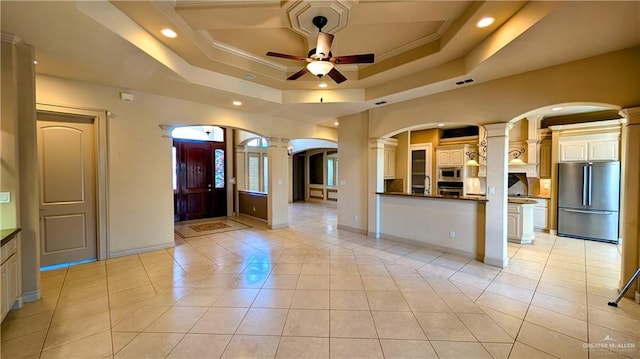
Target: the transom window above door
pixel 202 133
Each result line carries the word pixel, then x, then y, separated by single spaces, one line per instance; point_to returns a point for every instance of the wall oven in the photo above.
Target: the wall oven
pixel 451 189
pixel 450 173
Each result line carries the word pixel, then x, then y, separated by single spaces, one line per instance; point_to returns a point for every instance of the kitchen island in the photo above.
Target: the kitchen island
pixel 520 220
pixel 446 223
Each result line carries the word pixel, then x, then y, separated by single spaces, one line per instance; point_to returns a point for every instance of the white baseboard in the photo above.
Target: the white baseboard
pixel 31 296
pixel 142 250
pixel 352 229
pixel 278 226
pixel 496 262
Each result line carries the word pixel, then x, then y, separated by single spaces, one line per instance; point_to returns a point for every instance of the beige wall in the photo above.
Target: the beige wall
pixel 610 79
pixel 139 177
pixel 426 136
pixel 9 169
pixel 353 143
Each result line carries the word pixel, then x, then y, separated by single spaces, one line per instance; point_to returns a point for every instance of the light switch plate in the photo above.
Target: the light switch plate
pixel 5 197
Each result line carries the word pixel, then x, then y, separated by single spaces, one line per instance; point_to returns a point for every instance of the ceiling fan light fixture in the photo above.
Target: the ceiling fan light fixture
pixel 319 68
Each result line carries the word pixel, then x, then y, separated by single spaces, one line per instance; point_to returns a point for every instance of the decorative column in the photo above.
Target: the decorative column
pixel 533 146
pixel 278 198
pixel 495 232
pixel 630 199
pixel 376 184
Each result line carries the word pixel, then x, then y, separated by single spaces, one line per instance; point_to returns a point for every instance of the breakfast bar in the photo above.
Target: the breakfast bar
pixel 447 223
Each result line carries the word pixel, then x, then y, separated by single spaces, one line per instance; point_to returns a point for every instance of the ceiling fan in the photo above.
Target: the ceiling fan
pixel 321 60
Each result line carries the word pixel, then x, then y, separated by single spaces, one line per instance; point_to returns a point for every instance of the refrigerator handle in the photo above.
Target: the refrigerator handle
pixel 590 185
pixel 584 185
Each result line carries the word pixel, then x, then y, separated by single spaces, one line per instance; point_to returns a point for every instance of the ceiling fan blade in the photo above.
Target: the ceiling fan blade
pixel 336 75
pixel 285 56
pixel 298 74
pixel 354 59
pixel 324 45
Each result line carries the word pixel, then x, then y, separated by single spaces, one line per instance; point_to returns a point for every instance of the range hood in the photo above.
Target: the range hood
pixel 531 170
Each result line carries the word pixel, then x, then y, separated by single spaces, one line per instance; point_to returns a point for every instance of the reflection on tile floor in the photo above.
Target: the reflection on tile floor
pixel 314 291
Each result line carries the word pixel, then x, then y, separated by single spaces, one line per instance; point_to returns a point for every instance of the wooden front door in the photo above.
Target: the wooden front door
pixel 200 191
pixel 66 157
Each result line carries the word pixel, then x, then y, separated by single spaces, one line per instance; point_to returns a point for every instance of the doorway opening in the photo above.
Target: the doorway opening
pixel 72 183
pixel 199 176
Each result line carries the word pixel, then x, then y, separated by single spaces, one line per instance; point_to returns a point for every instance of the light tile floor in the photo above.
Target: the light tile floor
pixel 314 291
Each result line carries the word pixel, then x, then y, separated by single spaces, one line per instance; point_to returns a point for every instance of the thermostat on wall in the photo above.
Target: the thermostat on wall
pixel 5 197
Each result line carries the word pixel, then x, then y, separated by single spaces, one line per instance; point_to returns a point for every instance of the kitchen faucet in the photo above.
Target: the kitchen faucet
pixel 427 185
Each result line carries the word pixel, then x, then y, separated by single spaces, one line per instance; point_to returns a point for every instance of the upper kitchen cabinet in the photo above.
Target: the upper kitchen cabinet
pixel 598 147
pixel 390 146
pixel 450 156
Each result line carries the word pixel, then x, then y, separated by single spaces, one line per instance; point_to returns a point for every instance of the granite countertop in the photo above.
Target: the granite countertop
pixel 459 198
pixel 7 234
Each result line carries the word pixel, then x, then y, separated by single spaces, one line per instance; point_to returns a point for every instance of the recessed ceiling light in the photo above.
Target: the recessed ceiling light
pixel 35 62
pixel 485 21
pixel 441 125
pixel 556 109
pixel 237 103
pixel 169 33
pixel 322 84
pixel 336 123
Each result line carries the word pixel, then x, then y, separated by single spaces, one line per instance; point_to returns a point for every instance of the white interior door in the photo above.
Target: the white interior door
pixel 66 157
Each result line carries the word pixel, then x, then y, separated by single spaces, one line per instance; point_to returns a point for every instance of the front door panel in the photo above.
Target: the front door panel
pixel 201 190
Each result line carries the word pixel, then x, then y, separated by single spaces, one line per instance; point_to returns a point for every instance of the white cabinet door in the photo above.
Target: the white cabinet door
pixel 539 218
pixel 574 151
pixel 513 225
pixel 444 158
pixel 456 157
pixel 389 163
pixel 603 150
pixel 13 284
pixel 4 298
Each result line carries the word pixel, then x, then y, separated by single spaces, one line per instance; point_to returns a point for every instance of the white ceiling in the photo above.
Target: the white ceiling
pixel 421 47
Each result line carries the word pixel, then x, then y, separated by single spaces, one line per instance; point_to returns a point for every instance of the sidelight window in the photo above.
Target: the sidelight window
pixel 219 168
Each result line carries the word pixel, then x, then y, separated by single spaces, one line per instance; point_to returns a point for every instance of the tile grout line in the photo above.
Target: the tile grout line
pixel 44 341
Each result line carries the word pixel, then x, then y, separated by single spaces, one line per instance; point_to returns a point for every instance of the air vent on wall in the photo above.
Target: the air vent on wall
pixel 381 102
pixel 462 82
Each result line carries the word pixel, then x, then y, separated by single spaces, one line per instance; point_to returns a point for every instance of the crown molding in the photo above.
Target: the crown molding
pixel 10 38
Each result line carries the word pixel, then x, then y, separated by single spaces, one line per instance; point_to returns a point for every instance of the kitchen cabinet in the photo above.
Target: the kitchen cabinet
pixel 9 273
pixel 520 222
pixel 540 213
pixel 602 147
pixel 545 159
pixel 450 157
pixel 390 158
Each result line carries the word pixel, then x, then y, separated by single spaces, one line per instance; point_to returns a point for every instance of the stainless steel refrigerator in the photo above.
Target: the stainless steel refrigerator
pixel 589 200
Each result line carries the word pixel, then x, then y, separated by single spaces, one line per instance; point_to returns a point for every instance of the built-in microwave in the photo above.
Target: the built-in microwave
pixel 450 174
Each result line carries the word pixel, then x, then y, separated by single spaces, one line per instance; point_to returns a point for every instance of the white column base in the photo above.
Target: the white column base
pixel 496 262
